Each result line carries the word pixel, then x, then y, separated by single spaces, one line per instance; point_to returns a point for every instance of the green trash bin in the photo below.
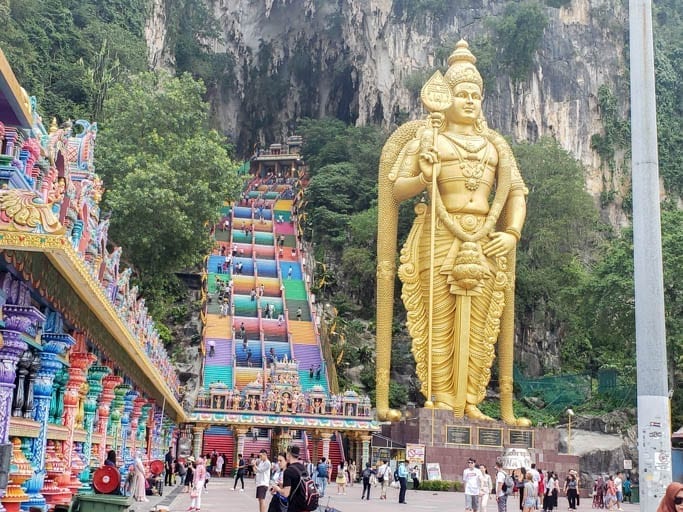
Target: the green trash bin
pixel 635 494
pixel 101 503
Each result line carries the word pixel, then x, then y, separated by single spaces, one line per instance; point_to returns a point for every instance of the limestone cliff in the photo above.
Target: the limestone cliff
pixel 354 59
pixel 364 61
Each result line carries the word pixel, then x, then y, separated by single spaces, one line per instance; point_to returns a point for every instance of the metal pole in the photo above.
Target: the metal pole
pixel 654 434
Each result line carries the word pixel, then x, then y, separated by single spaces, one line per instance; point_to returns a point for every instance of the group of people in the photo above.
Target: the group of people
pixel 535 489
pixel 611 491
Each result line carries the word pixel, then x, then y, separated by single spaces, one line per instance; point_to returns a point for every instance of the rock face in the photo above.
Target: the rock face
pixel 602 443
pixel 356 59
pixel 364 61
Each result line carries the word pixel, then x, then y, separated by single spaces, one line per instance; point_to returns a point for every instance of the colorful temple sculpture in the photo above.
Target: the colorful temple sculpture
pixel 265 379
pixel 83 368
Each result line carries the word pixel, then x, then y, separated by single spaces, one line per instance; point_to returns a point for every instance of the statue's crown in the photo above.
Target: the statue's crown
pixel 461 68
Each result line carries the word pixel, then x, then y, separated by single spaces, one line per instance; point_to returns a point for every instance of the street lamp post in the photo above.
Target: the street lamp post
pixel 570 413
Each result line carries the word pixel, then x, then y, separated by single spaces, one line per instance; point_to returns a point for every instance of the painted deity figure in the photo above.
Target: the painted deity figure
pixel 457 265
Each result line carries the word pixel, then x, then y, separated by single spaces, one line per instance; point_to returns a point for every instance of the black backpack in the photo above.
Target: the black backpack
pixel 308 490
pixel 396 476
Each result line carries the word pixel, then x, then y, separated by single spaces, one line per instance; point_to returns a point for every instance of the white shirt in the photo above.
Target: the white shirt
pixel 472 478
pixel 617 484
pixel 500 479
pixel 262 473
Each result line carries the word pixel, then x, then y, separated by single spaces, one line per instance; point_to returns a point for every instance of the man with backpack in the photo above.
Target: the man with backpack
pixel 323 471
pixel 505 486
pixel 297 486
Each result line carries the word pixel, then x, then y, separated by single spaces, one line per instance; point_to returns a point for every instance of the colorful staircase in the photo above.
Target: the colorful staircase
pixel 262 239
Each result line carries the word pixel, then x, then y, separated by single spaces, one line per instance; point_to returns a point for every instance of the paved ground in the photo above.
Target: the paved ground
pixel 220 498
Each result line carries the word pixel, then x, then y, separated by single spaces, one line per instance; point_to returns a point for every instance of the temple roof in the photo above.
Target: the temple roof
pixel 15 106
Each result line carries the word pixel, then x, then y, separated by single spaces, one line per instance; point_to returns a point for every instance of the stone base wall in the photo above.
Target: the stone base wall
pixel 445 439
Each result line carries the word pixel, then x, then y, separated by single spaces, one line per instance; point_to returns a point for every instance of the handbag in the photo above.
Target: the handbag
pixel 194 493
pixel 278 503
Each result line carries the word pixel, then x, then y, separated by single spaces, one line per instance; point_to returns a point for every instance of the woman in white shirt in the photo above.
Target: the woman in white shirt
pixel 485 488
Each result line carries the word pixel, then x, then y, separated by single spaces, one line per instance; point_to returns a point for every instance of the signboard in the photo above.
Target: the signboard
pixel 415 453
pixel 628 464
pixel 521 438
pixel 490 436
pixel 433 471
pixel 458 435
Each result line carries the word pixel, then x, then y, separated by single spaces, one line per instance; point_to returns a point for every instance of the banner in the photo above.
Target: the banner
pixel 433 471
pixel 415 453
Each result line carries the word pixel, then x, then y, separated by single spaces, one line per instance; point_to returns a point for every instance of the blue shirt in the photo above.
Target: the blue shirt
pixel 402 471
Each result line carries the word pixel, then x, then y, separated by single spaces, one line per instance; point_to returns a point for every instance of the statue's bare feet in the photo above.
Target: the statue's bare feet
pixel 473 413
pixel 392 415
pixel 516 422
pixel 443 406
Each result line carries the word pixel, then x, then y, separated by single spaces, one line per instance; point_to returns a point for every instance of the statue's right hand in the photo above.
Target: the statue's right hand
pixel 426 162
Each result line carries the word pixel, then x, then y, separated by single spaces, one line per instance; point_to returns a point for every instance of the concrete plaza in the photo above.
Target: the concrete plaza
pixel 219 497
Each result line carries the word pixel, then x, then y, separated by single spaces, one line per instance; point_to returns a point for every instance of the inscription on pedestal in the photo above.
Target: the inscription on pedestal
pixel 521 438
pixel 490 436
pixel 458 435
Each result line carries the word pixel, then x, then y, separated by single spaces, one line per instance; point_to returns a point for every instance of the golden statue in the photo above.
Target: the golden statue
pixel 458 263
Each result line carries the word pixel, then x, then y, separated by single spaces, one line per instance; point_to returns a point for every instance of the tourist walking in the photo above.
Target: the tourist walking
pixel 239 476
pixel 291 481
pixel 220 462
pixel 366 476
pixel 402 473
pixel 262 478
pixel 197 485
pixel 323 472
pixel 341 479
pixel 383 473
pixel 473 479
pixel 571 491
pixel 189 475
pixel 501 495
pixel 485 488
pixel 415 478
pixel 353 472
pixel 168 467
pixel 530 493
pixel 138 487
pixel 550 496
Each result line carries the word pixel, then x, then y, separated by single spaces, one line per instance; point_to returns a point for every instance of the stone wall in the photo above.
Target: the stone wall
pixel 424 426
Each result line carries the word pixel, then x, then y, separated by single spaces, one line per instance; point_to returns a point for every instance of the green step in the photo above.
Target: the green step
pixel 294 289
pixel 217 374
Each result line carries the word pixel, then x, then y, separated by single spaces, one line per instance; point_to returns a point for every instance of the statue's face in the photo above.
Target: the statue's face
pixel 466 106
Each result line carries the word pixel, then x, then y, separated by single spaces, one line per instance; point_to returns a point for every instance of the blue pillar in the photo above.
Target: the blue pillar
pixel 53 345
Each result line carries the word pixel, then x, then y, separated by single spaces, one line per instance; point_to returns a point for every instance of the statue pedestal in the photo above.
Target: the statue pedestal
pixel 450 442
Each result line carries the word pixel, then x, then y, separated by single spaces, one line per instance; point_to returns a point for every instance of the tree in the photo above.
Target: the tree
pixel 558 245
pixel 167 173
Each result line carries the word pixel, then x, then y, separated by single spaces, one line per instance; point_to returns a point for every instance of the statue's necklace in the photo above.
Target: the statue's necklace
pixel 471 146
pixel 473 171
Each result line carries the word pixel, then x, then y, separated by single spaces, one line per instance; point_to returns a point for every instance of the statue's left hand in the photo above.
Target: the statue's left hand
pixel 500 244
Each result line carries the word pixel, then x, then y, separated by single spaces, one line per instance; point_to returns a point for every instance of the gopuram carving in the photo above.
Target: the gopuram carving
pixel 458 264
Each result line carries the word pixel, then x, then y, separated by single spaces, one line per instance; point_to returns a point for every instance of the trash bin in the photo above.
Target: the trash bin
pixel 635 494
pixel 101 503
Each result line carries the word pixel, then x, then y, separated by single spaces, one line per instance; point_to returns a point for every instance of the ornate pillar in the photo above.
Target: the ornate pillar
pixel 57 399
pixel 95 375
pixel 135 414
pixel 366 440
pixel 114 427
pixel 29 401
pixel 284 440
pixel 108 384
pixel 23 367
pixel 129 398
pixel 142 424
pixel 326 436
pixel 53 346
pixel 18 320
pixel 198 438
pixel 79 364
